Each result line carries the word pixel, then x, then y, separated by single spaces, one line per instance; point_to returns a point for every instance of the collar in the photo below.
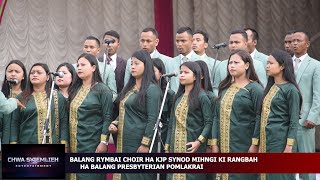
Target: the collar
pixel 153 52
pixel 113 57
pixel 301 57
pixel 188 55
pixel 253 53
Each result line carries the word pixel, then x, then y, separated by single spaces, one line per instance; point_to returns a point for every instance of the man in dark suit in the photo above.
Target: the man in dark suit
pixel 117 63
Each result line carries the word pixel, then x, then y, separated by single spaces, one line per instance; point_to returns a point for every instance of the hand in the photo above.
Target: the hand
pixel 66 150
pixel 102 148
pixel 308 124
pixel 288 149
pixel 113 129
pixel 143 149
pixel 260 149
pixel 253 149
pixel 166 152
pixel 215 149
pixel 20 104
pixel 194 146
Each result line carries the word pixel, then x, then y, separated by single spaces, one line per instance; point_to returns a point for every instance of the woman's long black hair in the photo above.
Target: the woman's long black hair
pixel 205 81
pixel 148 77
pixel 193 101
pixel 29 88
pixel 250 73
pixel 96 77
pixel 160 66
pixel 5 86
pixel 284 59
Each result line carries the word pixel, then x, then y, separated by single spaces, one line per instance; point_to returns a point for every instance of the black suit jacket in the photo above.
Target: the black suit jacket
pixel 119 72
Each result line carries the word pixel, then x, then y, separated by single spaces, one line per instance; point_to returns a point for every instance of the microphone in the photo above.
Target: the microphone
pixel 59 73
pixel 220 45
pixel 13 81
pixel 109 41
pixel 175 73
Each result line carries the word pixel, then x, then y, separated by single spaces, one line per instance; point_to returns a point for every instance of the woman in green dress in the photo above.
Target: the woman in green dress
pixel 27 124
pixel 280 109
pixel 15 71
pixel 139 105
pixel 90 112
pixel 191 117
pixel 235 127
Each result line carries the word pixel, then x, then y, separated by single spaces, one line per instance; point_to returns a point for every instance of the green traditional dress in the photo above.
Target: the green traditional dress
pixel 5 125
pixel 136 124
pixel 27 124
pixel 89 119
pixel 235 126
pixel 188 126
pixel 279 122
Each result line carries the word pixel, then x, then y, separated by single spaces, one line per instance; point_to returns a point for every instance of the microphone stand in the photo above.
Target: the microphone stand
pixel 105 63
pixel 215 62
pixel 46 128
pixel 158 125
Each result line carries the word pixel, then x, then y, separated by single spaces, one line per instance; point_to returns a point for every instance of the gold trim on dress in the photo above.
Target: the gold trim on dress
pixel 104 137
pixel 290 141
pixel 180 133
pixel 225 115
pixel 255 141
pixel 166 147
pixel 201 139
pixel 56 114
pixel 210 142
pixel 41 101
pixel 120 123
pixel 146 141
pixel 73 120
pixel 264 119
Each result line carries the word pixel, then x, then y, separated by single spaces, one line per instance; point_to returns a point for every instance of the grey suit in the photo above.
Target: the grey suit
pixel 308 79
pixel 261 57
pixel 7 105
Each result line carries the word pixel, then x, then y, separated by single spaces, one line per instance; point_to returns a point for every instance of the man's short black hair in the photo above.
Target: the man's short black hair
pixel 93 38
pixel 149 29
pixel 204 34
pixel 112 33
pixel 242 32
pixel 304 32
pixel 185 29
pixel 254 32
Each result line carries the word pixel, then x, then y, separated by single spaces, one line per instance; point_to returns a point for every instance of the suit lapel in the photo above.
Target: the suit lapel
pixel 302 68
